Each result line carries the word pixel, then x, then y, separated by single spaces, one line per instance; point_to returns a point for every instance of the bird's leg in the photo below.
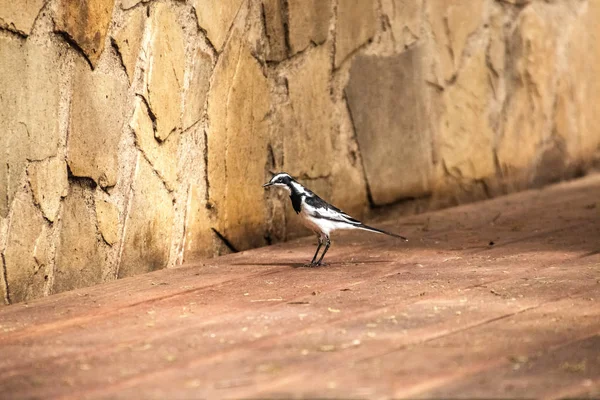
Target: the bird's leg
pixel 327 244
pixel 312 263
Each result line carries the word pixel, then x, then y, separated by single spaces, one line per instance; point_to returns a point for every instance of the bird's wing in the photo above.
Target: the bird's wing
pixel 319 208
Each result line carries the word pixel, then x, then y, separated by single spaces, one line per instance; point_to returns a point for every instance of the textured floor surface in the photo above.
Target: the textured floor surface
pixel 494 299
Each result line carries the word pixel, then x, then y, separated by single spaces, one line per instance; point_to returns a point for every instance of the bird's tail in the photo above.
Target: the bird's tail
pixel 371 229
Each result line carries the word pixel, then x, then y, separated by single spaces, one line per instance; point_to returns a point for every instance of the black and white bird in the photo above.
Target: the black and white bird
pixel 318 215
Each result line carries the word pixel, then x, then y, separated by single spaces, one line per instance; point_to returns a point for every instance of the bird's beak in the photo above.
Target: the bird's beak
pixel 266 185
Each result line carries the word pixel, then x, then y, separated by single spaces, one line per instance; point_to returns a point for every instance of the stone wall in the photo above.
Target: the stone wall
pixel 136 134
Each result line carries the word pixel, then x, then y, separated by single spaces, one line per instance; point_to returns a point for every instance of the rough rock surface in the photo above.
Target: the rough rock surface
pixel 216 17
pixel 356 24
pixel 452 23
pixel 40 102
pixel 466 137
pixel 405 20
pixel 22 271
pixel 531 102
pixel 79 257
pixel 166 71
pixel 195 95
pixel 237 108
pixel 198 238
pixel 86 23
pixel 49 184
pixel 161 155
pixel 307 122
pixel 308 22
pixel 97 117
pixel 577 118
pixel 129 39
pixel 3 286
pixel 275 23
pixel 14 141
pixel 149 225
pixel 386 100
pixel 128 4
pixel 19 16
pixel 107 215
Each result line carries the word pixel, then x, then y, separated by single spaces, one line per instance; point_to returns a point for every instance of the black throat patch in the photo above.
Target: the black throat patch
pixel 296 198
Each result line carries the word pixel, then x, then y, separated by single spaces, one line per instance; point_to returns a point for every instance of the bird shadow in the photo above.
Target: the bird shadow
pixel 271 264
pixel 304 265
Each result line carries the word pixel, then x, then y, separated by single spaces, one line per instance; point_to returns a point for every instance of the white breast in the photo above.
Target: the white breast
pixel 309 222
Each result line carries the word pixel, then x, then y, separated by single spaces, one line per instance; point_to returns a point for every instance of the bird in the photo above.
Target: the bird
pixel 318 215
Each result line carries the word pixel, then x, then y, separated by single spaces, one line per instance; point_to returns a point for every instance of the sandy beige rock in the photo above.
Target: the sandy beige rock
pixel 107 215
pixel 161 155
pixel 3 285
pixel 577 110
pixel 567 118
pixel 129 38
pixel 198 235
pixel 40 108
pixel 79 262
pixel 21 267
pixel 14 141
pixel 347 180
pixel 19 16
pixel 216 17
pixel 356 24
pixel 465 137
pixel 86 22
pixel 127 4
pixel 463 17
pixel 165 73
pixel 4 201
pixel 149 225
pixel 238 132
pixel 43 255
pixel 308 22
pixel 97 117
pixel 348 188
pixel 386 100
pixel 306 125
pixel 531 101
pixel 13 163
pixel 49 183
pixel 275 31
pixel 195 95
pixel 497 46
pixel 452 22
pixel 42 251
pixel 405 20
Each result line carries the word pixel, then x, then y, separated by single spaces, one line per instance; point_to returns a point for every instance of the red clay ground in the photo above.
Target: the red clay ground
pixel 447 314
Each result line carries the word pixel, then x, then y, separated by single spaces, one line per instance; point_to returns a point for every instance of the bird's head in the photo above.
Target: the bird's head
pixel 281 180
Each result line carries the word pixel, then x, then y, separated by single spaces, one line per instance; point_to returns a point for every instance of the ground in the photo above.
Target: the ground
pixel 494 299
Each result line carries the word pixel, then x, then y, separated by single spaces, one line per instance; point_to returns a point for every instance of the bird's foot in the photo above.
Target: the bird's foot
pixel 314 264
